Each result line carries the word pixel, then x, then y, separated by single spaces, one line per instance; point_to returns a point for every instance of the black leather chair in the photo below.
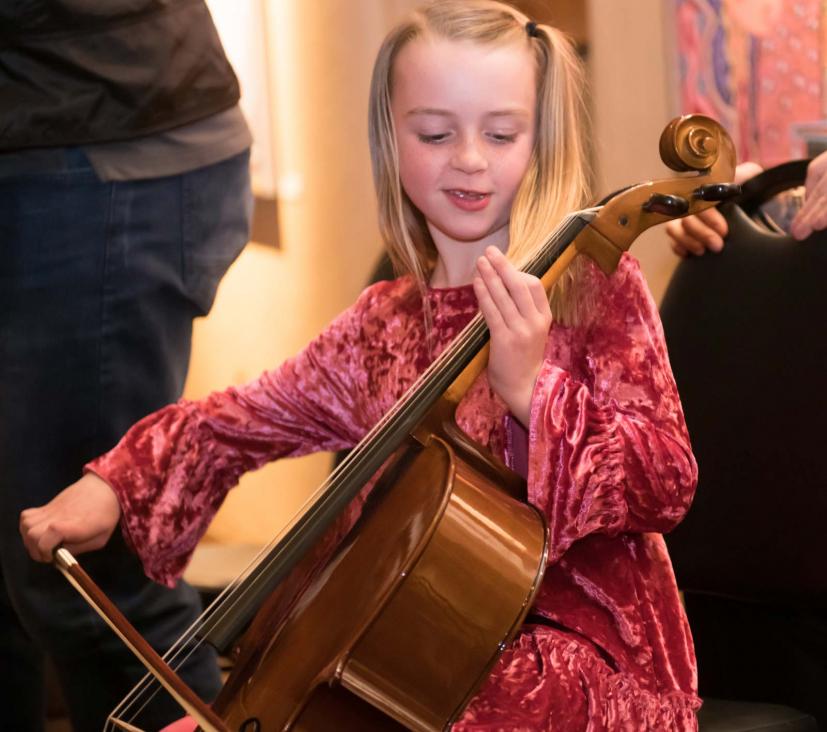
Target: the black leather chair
pixel 746 336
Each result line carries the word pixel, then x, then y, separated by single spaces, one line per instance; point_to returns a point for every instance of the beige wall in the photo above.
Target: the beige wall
pixel 631 72
pixel 273 301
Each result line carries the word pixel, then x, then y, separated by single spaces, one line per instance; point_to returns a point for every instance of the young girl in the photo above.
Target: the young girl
pixel 477 152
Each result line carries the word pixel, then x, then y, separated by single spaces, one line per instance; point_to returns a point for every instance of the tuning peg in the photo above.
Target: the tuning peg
pixel 717 191
pixel 666 204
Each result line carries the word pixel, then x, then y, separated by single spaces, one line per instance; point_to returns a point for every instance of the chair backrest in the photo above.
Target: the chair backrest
pixel 747 336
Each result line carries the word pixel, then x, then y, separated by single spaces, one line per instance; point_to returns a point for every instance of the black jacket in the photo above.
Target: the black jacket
pixel 83 71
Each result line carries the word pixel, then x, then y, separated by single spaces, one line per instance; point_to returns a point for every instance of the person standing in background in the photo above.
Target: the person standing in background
pixel 124 198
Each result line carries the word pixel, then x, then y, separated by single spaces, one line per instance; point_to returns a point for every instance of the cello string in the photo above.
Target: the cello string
pixel 149 686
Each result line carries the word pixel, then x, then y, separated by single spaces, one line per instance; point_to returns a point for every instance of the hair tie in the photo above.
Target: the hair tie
pixel 531 29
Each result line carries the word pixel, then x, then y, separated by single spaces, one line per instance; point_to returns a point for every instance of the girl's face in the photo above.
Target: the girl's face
pixel 464 116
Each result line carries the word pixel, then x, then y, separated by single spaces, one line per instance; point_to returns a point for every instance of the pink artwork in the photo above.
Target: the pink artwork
pixel 757 67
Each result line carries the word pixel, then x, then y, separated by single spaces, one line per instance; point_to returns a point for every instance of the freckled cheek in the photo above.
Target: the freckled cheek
pixel 417 174
pixel 512 174
pixel 514 184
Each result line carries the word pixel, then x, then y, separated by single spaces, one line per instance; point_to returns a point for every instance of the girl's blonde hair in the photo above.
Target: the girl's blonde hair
pixel 557 178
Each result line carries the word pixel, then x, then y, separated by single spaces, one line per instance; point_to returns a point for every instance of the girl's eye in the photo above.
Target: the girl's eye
pixel 501 137
pixel 433 139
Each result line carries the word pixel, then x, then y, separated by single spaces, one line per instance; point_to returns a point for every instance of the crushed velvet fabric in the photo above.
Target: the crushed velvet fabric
pixel 608 463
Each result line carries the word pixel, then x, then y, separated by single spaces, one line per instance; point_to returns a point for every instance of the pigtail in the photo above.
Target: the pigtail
pixel 557 181
pixel 403 230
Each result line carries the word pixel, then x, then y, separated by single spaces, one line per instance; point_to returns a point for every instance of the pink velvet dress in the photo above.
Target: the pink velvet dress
pixel 608 463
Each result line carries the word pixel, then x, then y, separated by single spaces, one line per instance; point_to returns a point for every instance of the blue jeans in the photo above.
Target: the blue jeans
pixel 99 284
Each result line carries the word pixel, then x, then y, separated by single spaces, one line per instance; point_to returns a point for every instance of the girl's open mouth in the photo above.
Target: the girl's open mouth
pixel 468 200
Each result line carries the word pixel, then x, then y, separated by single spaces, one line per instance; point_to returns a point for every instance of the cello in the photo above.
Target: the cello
pixel 446 547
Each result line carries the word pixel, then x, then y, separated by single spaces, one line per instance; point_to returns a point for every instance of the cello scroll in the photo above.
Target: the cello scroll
pixel 693 143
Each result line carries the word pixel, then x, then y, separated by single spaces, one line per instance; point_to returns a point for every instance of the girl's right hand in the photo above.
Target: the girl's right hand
pixel 706 230
pixel 82 517
pixel 516 310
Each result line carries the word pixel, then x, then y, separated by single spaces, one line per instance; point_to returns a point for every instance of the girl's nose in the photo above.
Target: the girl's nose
pixel 469 158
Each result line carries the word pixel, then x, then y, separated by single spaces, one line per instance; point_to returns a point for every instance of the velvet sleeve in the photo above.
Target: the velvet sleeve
pixel 172 470
pixel 608 448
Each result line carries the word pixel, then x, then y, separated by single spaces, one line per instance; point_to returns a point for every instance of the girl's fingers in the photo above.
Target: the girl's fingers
pixel 47 542
pixel 498 291
pixel 488 308
pixel 516 283
pixel 37 534
pixel 539 296
pixel 82 516
pixel 76 539
pixel 43 533
pixel 39 541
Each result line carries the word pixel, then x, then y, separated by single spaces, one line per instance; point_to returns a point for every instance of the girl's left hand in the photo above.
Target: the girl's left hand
pixel 515 307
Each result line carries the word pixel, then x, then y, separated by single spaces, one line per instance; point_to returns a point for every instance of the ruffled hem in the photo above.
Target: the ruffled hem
pixel 549 679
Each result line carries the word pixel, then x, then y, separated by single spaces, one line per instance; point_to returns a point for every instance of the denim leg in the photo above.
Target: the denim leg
pixel 22 693
pixel 99 283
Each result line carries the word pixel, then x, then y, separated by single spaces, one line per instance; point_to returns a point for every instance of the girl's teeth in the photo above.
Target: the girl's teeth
pixel 466 194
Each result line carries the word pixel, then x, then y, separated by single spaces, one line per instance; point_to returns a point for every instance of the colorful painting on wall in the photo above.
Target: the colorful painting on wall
pixel 758 66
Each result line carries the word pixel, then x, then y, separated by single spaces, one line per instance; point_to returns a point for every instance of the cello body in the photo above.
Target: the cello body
pixel 443 561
